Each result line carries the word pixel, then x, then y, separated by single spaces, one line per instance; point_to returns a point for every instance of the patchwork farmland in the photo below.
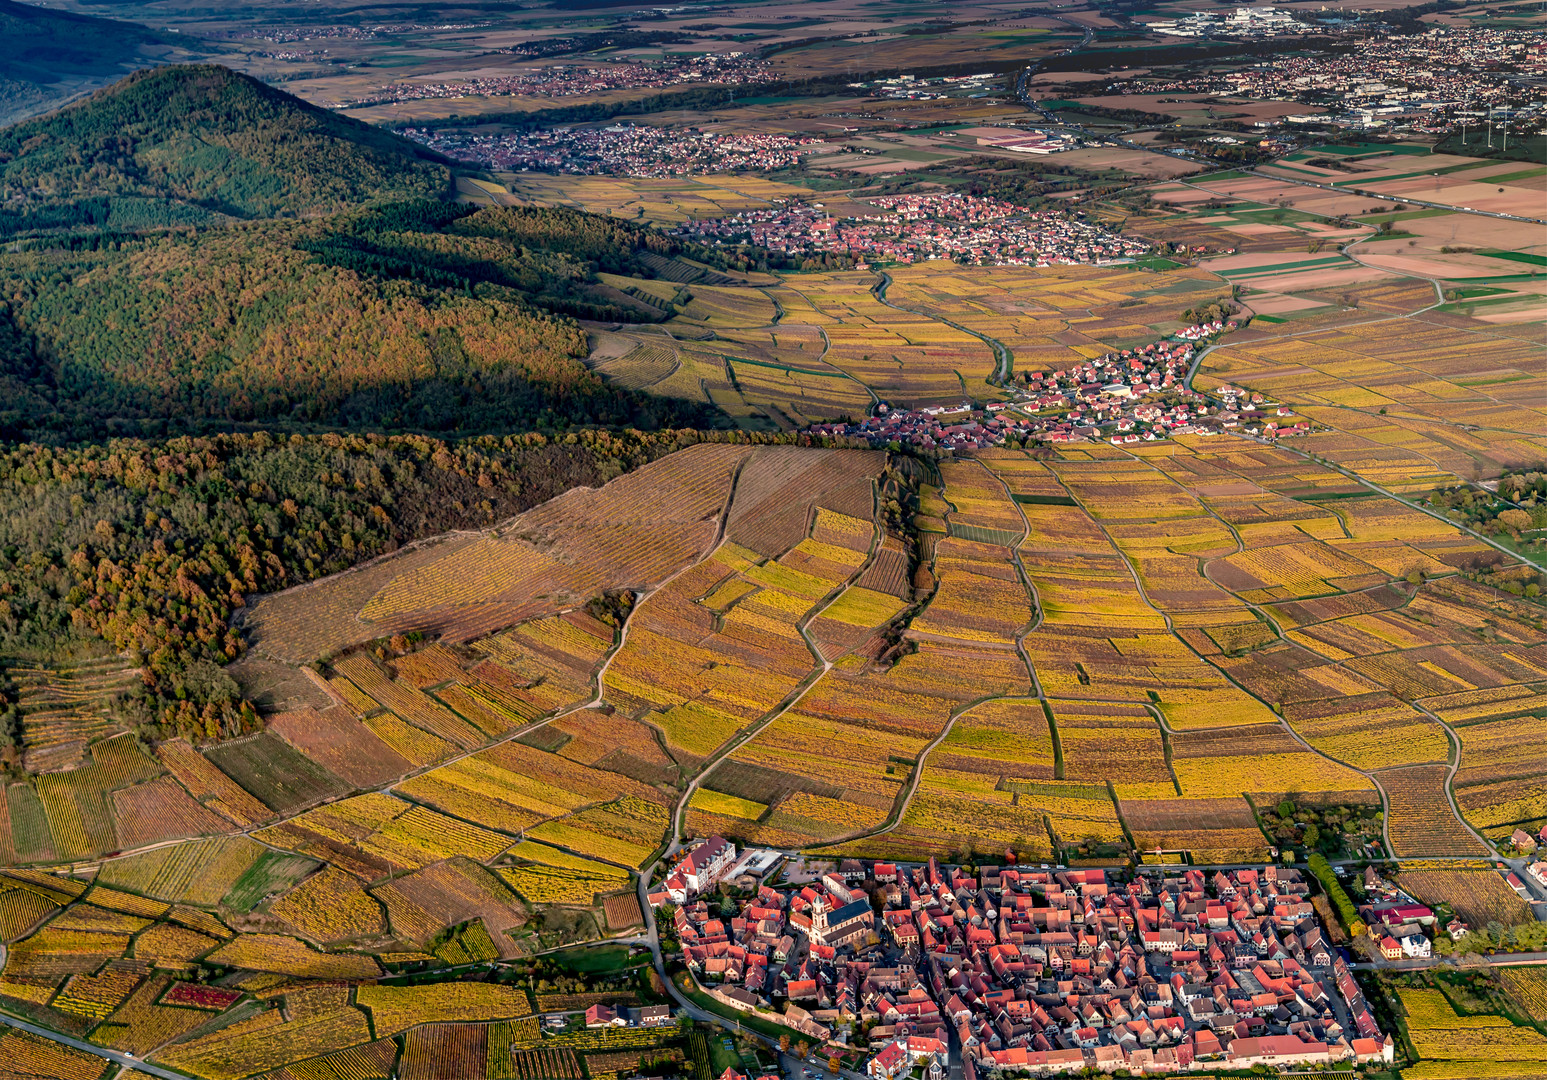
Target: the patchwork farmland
pixel 1091 653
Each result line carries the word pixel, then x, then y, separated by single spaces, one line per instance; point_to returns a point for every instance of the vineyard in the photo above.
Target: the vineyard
pixel 1479 897
pixel 1100 655
pixel 1421 821
pixel 1411 448
pixel 1440 1035
pixel 1528 987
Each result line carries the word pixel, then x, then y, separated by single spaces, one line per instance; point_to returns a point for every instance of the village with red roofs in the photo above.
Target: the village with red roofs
pixel 1024 970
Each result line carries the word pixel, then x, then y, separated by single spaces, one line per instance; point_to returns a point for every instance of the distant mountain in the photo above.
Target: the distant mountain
pixel 317 273
pixel 48 57
pixel 191 144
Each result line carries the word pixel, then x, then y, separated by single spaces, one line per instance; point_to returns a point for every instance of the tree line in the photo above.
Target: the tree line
pixel 153 545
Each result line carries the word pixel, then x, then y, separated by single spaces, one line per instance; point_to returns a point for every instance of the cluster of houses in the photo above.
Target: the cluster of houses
pixel 1431 82
pixel 1041 971
pixel 910 228
pixel 567 80
pixel 1526 843
pixel 1399 925
pixel 1248 410
pixel 1109 395
pixel 621 149
pixel 959 428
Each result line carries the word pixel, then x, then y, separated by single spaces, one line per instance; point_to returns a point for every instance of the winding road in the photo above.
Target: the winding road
pixel 1003 357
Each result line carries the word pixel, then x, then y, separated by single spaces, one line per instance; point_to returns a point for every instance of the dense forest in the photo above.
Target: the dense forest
pixel 414 316
pixel 152 545
pixel 191 250
pixel 193 143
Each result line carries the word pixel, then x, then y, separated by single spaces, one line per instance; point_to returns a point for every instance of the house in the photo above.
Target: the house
pixel 802 990
pixel 1407 913
pixel 598 1016
pixel 704 865
pixel 1415 946
pixel 1367 1051
pixel 892 1063
pixel 735 997
pixel 1522 840
pixel 1390 948
pixel 650 1016
pixel 1273 1050
pixel 898 1057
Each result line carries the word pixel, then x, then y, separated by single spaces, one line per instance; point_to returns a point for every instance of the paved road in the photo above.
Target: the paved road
pixel 1502 960
pixel 96 1051
pixel 1003 358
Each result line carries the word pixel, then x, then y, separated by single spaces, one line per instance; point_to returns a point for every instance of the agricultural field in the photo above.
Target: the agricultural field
pixel 1471 1045
pixel 722 350
pixel 1051 317
pixel 660 201
pixel 1212 830
pixel 820 346
pixel 65 706
pixel 1421 821
pixel 989 785
pixel 1189 637
pixel 905 358
pixel 1479 897
pixel 1408 404
pixel 1527 986
pixel 1097 655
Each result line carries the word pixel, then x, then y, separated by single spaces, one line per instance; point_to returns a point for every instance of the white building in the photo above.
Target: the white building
pixel 700 869
pixel 897 1058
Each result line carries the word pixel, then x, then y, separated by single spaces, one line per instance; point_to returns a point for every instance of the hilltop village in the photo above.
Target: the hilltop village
pixel 1031 970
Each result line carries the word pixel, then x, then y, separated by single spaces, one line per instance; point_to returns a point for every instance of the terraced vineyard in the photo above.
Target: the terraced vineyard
pixel 1097 655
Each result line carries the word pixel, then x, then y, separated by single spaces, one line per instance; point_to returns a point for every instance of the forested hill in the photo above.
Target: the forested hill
pixel 192 144
pixel 411 316
pixel 225 318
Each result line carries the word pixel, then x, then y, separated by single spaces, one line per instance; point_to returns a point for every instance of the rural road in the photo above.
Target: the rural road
pixel 96 1051
pixel 1003 357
